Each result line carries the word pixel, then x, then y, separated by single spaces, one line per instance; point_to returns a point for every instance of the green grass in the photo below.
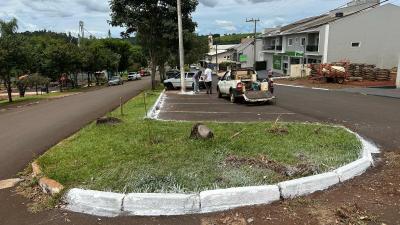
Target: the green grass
pixel 33 98
pixel 122 158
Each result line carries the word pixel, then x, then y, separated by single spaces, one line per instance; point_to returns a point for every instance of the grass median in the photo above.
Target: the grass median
pixel 142 155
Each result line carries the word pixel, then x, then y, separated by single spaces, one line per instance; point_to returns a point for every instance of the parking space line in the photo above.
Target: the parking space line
pixel 198 103
pixel 204 112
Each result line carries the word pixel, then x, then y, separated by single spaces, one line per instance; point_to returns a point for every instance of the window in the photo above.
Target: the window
pixel 303 41
pixel 290 42
pixel 355 44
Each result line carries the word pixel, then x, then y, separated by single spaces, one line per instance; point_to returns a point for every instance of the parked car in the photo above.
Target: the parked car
pixel 175 82
pixel 115 81
pixel 134 76
pixel 243 84
pixel 172 74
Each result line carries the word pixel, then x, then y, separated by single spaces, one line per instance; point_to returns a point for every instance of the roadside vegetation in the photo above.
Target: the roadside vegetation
pixel 140 155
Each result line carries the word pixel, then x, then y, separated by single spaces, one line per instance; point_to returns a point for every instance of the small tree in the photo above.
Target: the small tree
pixel 12 54
pixel 155 22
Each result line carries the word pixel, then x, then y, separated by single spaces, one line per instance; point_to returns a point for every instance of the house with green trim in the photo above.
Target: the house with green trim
pixel 362 31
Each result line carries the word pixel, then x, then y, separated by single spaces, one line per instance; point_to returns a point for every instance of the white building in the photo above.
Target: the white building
pixel 364 31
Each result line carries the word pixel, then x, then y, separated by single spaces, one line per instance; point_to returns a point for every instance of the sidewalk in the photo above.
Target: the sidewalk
pixel 383 92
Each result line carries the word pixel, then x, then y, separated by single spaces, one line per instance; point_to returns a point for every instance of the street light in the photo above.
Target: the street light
pixel 181 50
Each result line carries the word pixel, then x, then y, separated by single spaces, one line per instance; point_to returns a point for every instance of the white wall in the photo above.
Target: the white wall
pixel 378 32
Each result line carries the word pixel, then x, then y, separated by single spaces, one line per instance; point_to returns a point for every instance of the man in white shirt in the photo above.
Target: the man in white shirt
pixel 208 80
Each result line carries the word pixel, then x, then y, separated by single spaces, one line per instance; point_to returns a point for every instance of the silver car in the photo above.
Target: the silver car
pixel 115 81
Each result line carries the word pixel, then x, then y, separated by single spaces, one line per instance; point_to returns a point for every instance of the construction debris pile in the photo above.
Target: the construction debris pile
pixel 337 72
pixel 369 72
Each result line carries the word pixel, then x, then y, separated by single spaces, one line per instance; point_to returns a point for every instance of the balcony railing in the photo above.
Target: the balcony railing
pixel 270 48
pixel 312 48
pixel 273 48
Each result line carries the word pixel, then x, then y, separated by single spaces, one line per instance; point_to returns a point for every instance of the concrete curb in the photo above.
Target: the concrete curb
pixel 220 200
pixel 307 185
pixel 161 204
pixel 155 110
pixel 48 185
pixel 94 202
pixel 158 204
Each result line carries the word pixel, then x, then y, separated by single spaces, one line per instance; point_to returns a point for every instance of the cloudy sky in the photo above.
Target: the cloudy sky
pixel 212 16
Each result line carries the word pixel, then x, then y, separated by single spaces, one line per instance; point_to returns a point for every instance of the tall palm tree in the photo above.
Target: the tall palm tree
pixel 8 28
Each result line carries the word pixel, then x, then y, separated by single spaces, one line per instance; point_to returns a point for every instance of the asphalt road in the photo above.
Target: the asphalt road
pixel 27 132
pixel 32 131
pixel 375 118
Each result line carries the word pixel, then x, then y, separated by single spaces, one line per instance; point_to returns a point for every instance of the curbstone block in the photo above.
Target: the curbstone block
pixel 148 204
pixel 353 169
pixel 220 200
pixel 94 202
pixel 36 171
pixel 4 184
pixel 50 186
pixel 307 185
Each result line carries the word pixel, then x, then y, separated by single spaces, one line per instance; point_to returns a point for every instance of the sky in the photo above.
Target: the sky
pixel 212 16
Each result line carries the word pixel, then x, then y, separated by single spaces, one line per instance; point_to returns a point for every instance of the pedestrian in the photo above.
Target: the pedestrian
pixel 196 80
pixel 208 80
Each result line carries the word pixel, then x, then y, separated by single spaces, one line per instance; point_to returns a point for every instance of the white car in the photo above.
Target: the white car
pixel 242 83
pixel 134 76
pixel 175 82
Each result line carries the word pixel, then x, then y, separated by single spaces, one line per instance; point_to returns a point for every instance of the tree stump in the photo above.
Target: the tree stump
pixel 200 131
pixel 108 121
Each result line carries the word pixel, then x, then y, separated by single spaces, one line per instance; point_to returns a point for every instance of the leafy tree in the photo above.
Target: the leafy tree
pixel 12 54
pixel 155 22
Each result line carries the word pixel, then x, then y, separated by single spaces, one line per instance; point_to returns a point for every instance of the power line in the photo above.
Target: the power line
pixel 255 21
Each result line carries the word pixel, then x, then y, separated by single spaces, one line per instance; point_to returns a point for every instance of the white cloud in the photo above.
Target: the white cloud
pixel 212 16
pixel 226 25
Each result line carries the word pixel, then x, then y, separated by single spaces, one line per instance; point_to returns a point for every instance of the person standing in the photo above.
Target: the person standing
pixel 208 80
pixel 196 80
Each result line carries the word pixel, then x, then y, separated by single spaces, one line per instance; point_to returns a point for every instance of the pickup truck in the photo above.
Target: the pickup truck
pixel 242 83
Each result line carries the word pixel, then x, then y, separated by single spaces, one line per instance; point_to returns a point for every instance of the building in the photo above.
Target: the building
pixel 224 53
pixel 243 53
pixel 363 31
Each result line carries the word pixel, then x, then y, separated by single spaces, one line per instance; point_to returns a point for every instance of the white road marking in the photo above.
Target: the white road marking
pixel 298 86
pixel 204 112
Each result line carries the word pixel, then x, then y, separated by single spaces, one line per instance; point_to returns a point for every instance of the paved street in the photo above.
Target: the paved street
pixel 28 132
pixel 31 131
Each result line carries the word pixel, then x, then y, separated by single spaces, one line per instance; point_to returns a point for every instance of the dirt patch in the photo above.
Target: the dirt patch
pixel 373 199
pixel 39 201
pixel 263 162
pixel 353 214
pixel 108 121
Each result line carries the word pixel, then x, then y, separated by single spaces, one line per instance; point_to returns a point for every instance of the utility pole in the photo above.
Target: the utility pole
pixel 255 21
pixel 181 49
pixel 216 56
pixel 81 34
pixel 398 75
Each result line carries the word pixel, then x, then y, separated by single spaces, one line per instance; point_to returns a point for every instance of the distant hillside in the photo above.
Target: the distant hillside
pixel 230 39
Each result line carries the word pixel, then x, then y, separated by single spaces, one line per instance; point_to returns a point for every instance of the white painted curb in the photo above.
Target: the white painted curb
pixel 161 204
pixel 143 204
pixel 220 200
pixel 307 185
pixel 353 169
pixel 94 202
pixel 155 110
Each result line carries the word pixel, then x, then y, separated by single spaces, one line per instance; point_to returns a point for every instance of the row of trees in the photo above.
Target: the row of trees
pixel 155 24
pixel 54 55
